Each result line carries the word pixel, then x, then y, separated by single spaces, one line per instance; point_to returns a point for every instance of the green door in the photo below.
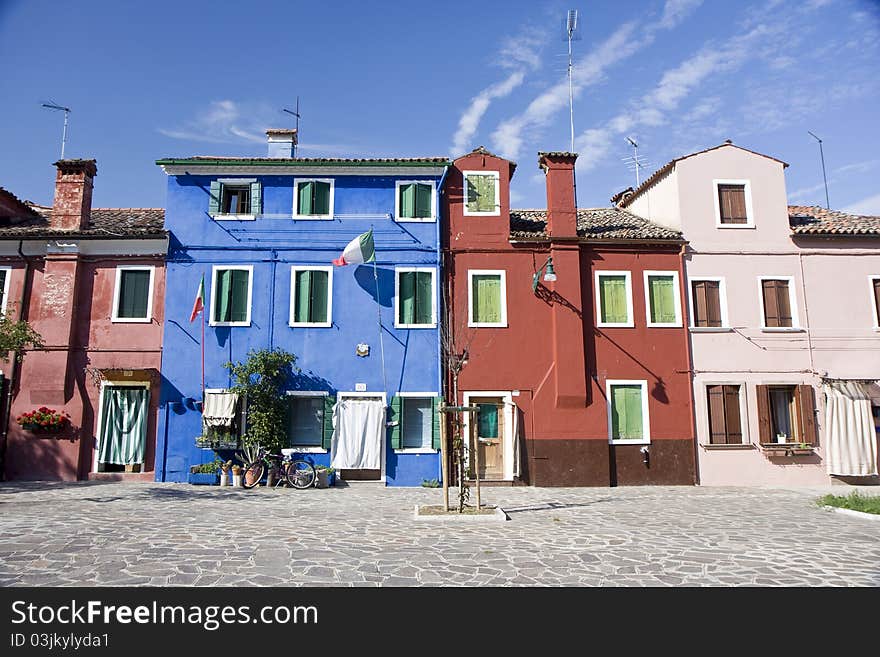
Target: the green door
pixel 123 430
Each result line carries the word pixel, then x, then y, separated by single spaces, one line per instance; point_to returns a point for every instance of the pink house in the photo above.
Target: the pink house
pixel 783 306
pixel 92 283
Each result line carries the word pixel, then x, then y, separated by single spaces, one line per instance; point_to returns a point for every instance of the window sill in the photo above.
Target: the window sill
pixel 676 325
pixel 308 325
pixel 487 325
pixel 415 326
pixel 234 217
pixel 312 217
pixel 723 448
pixel 481 214
pixel 629 325
pixel 416 220
pixel 642 441
pixel 229 324
pixel 710 329
pixel 734 226
pixel 786 449
pixel 782 329
pixel 416 450
pixel 131 320
pixel 304 450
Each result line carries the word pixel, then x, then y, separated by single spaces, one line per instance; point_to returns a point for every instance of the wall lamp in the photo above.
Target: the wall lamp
pixel 549 274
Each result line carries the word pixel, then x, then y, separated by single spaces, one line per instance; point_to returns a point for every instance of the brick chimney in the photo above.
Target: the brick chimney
pixel 282 142
pixel 72 208
pixel 561 198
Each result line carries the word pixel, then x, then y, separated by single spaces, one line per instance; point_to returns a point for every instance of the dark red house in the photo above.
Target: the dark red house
pixel 92 283
pixel 582 377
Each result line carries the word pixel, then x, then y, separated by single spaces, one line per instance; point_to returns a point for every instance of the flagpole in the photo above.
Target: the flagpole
pixel 379 317
pixel 203 356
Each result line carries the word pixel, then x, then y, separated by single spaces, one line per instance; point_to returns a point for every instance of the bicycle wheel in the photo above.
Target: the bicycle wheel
pixel 252 474
pixel 301 474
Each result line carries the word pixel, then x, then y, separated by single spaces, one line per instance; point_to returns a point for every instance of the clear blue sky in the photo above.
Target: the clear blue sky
pixel 153 79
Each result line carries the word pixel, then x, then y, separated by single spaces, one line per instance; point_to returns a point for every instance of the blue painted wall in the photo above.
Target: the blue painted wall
pixel 272 244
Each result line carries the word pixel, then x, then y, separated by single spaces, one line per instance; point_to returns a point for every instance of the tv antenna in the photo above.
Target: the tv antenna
pixel 822 156
pixel 55 106
pixel 572 33
pixel 296 114
pixel 635 161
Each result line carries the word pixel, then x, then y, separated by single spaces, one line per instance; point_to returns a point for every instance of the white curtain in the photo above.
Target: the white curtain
pixel 219 409
pixel 850 438
pixel 357 437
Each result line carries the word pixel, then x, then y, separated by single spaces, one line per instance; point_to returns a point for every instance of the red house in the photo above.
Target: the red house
pixel 92 283
pixel 582 376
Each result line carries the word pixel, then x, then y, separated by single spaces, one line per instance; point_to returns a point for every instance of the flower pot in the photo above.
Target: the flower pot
pixel 325 479
pixel 236 481
pixel 249 478
pixel 224 478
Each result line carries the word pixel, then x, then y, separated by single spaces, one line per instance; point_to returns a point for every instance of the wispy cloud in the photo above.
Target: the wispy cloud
pixel 869 206
pixel 223 121
pixel 804 193
pixel 626 40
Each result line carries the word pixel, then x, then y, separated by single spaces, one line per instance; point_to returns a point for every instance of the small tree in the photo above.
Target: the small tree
pixel 261 380
pixel 15 335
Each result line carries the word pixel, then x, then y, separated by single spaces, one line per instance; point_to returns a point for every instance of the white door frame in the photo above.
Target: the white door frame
pixel 383 439
pixel 98 437
pixel 507 397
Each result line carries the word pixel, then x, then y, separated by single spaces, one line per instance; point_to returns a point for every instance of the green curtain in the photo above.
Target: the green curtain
pixel 613 299
pixel 662 296
pixel 486 298
pixel 123 425
pixel 481 193
pixel 488 425
pixel 626 412
pixel 134 293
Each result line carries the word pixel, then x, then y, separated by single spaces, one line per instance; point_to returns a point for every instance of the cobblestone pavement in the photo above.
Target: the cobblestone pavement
pixel 111 534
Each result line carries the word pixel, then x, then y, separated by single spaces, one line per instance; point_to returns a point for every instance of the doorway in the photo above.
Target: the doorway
pixel 122 428
pixel 493 441
pixel 358 446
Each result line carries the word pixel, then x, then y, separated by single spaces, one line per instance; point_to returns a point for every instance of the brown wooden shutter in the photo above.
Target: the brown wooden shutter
pixel 771 309
pixel 732 422
pixel 783 304
pixel 806 405
pixel 713 303
pixel 732 204
pixel 764 430
pixel 877 297
pixel 715 398
pixel 700 316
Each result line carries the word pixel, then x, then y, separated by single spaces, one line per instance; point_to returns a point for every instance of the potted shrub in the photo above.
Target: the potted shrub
pixel 326 476
pixel 224 473
pixel 205 474
pixel 236 476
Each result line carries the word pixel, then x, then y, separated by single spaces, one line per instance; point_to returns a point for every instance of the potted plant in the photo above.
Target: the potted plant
pixel 236 476
pixel 205 474
pixel 224 473
pixel 326 476
pixel 43 420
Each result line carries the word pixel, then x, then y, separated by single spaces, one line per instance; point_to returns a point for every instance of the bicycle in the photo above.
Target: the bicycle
pixel 297 473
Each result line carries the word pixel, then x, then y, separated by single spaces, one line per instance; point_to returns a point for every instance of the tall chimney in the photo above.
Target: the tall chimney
pixel 282 142
pixel 561 199
pixel 72 208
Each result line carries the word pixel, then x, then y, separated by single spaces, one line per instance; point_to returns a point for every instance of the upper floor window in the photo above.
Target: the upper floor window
pixel 708 307
pixel 725 414
pixel 311 298
pixel 662 299
pixel 778 303
pixel 733 204
pixel 133 294
pixel 481 193
pixel 614 298
pixel 487 304
pixel 415 200
pixel 235 198
pixel 415 298
pixel 313 198
pixel 231 295
pixel 5 275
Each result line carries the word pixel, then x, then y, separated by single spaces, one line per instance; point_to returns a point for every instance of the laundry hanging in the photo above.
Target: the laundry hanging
pixel 850 437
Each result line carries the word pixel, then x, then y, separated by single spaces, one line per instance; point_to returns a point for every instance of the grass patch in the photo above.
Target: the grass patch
pixel 854 501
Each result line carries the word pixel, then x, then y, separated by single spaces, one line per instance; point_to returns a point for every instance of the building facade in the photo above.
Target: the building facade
pixel 782 307
pixel 581 377
pixel 263 233
pixel 91 282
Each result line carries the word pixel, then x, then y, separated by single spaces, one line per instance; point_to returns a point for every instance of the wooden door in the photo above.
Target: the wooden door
pixel 490 436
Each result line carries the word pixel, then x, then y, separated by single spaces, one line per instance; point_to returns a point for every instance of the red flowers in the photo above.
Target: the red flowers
pixel 42 418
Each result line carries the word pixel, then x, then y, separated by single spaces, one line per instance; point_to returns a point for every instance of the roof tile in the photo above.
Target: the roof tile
pixel 816 220
pixel 593 223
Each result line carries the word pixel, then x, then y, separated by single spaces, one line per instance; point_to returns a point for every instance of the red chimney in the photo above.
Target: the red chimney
pixel 561 200
pixel 73 194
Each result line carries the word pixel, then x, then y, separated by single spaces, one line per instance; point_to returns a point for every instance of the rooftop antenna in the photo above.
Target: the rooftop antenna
pixel 822 155
pixel 296 114
pixel 572 33
pixel 55 106
pixel 635 161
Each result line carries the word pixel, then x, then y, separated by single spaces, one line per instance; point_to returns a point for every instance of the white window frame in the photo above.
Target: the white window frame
pixel 630 323
pixel 722 301
pixel 750 215
pixel 313 449
pixel 214 270
pixel 792 302
pixel 397 272
pixel 416 450
pixel 4 293
pixel 676 298
pixel 114 315
pixel 416 220
pixel 293 270
pixel 314 217
pixel 871 279
pixel 497 176
pixel 646 424
pixel 235 182
pixel 743 411
pixel 470 278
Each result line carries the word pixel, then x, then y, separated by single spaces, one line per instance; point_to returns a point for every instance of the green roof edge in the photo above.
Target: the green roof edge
pixel 304 163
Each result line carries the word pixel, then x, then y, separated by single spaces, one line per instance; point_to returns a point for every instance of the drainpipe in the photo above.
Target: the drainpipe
pixel 691 369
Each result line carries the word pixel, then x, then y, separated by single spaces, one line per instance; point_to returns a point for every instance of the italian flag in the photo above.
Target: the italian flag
pixel 359 250
pixel 199 304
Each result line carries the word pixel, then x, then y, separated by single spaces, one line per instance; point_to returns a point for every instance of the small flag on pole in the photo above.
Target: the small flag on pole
pixel 359 250
pixel 199 304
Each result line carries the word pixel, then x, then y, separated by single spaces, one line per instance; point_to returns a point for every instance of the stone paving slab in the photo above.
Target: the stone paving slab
pixel 117 534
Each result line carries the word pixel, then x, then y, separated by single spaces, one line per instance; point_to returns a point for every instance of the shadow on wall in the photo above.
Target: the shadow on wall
pixel 365 278
pixel 311 382
pixel 41 457
pixel 177 252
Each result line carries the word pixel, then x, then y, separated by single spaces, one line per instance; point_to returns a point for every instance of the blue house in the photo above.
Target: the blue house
pixel 263 233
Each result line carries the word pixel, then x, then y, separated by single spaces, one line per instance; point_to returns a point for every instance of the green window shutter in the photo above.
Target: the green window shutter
pixel 329 403
pixel 488 424
pixel 302 296
pixel 407 301
pixel 318 297
pixel 626 412
pixel 613 299
pixel 435 423
pixel 305 198
pixel 321 203
pixel 239 295
pixel 256 198
pixel 487 194
pixel 134 291
pixel 396 415
pixel 408 201
pixel 423 201
pixel 214 197
pixel 423 305
pixel 486 298
pixel 662 298
pixel 221 295
pixel 472 194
